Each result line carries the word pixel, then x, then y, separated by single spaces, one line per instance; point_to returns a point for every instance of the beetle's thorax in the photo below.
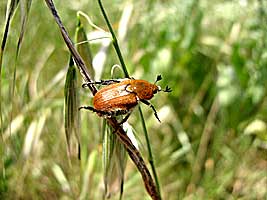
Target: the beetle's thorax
pixel 143 89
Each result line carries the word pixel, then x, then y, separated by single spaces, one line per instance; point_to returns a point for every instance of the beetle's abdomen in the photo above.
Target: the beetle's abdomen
pixel 114 98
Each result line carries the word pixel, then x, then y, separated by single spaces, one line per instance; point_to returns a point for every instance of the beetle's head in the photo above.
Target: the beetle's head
pixel 158 88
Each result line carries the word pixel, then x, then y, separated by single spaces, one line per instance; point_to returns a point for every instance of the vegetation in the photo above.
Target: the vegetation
pixel 212 139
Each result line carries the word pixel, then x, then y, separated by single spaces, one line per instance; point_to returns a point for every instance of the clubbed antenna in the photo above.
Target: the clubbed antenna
pixel 158 78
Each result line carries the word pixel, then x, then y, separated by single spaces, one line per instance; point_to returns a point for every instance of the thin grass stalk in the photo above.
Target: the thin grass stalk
pixel 115 41
pixel 25 8
pixel 150 154
pixel 203 145
pixel 11 10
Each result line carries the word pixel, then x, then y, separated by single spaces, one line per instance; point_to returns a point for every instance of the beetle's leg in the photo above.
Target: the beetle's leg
pixel 125 119
pixel 87 108
pixel 151 106
pixel 167 89
pixel 108 113
pixel 101 82
pixel 94 110
pixel 122 122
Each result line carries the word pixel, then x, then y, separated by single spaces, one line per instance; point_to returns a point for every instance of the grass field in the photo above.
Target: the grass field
pixel 212 139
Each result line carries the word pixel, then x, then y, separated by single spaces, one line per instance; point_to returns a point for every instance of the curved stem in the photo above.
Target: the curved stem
pixel 137 159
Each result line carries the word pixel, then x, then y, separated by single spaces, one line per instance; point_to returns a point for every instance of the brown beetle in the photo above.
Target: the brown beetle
pixel 119 97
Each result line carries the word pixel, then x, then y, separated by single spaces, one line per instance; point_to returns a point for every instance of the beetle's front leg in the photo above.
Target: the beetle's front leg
pixel 101 82
pixel 151 106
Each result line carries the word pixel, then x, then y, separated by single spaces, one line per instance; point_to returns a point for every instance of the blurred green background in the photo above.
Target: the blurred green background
pixel 212 142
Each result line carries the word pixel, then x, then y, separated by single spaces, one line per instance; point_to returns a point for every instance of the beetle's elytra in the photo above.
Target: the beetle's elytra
pixel 121 96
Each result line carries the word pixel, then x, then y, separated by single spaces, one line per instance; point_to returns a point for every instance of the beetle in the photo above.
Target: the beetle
pixel 120 96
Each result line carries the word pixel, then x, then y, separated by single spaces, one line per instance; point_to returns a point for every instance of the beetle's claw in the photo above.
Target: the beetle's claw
pixel 84 85
pixel 153 108
pixel 167 89
pixel 156 115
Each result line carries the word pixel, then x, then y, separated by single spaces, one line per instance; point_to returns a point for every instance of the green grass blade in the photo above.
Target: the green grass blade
pixel 108 159
pixel 89 171
pixel 25 8
pixel 84 48
pixel 71 107
pixel 62 179
pixel 114 162
pixel 121 162
pixel 11 7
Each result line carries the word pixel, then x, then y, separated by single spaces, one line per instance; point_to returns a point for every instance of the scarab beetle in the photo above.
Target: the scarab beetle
pixel 119 97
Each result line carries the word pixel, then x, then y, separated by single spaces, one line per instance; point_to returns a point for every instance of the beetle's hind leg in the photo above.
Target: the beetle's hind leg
pixel 125 118
pixel 122 122
pixel 93 110
pixel 151 106
pixel 108 113
pixel 88 108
